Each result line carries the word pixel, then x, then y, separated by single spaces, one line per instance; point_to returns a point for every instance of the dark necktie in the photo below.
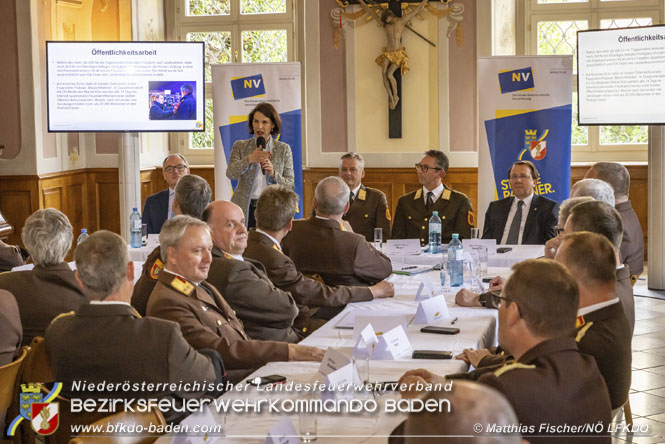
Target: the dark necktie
pixel 351 197
pixel 430 200
pixel 514 233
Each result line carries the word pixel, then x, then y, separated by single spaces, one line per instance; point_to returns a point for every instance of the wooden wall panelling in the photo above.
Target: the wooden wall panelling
pixel 105 196
pixel 19 198
pixel 147 185
pixel 67 192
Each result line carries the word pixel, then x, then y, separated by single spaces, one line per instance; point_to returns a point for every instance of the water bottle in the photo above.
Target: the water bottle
pixel 456 261
pixel 435 233
pixel 83 236
pixel 135 232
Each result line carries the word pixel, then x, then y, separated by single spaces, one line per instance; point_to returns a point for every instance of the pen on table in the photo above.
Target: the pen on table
pixel 454 320
pixel 409 268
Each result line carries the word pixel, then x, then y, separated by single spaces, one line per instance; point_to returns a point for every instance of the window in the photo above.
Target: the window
pixel 551 28
pixel 234 31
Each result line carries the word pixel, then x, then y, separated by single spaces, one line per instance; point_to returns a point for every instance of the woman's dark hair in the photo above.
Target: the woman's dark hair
pixel 270 112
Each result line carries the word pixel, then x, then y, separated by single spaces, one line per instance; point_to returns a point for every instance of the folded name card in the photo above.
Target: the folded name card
pixel 333 360
pixel 402 246
pixel 393 344
pixel 365 343
pixel 431 310
pixel 340 379
pixel 282 432
pixel 380 324
pixel 490 244
pixel 425 290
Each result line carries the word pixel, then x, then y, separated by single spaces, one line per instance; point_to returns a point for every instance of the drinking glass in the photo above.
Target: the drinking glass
pixel 378 238
pixel 307 425
pixel 475 233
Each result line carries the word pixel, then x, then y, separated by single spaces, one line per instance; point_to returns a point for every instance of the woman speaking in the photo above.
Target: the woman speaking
pixel 260 161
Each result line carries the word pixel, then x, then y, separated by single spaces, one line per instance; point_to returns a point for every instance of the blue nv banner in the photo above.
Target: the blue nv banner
pixel 542 137
pixel 237 89
pixel 526 111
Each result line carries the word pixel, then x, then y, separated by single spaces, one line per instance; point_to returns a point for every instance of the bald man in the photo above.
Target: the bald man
pixel 266 311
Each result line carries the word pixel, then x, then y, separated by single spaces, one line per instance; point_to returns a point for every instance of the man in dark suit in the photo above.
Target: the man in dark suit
pixel 158 206
pixel 266 311
pixel 632 242
pixel 192 196
pixel 107 341
pixel 274 219
pixel 523 218
pixel 415 209
pixel 50 287
pixel 551 384
pixel 322 245
pixel 368 208
pixel 207 321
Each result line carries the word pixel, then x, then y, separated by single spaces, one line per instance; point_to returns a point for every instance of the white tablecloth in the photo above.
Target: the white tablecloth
pixel 141 254
pixel 508 259
pixel 477 329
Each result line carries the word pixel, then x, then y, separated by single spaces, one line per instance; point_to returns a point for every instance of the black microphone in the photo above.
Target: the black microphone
pixel 261 143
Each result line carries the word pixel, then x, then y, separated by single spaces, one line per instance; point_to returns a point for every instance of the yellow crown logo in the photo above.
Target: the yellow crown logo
pixel 31 388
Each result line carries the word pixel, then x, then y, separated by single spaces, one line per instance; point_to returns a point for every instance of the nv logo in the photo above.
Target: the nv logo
pixel 516 80
pixel 43 414
pixel 244 87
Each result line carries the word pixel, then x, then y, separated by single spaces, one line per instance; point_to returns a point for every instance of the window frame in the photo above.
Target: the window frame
pixel 593 12
pixel 236 23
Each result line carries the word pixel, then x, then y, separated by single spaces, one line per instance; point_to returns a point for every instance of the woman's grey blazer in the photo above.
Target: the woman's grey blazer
pixel 241 170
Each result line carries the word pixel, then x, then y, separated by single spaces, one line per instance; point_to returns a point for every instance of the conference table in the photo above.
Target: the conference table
pixel 478 328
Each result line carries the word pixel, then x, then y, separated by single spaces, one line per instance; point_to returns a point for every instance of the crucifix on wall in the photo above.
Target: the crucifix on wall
pixel 393 60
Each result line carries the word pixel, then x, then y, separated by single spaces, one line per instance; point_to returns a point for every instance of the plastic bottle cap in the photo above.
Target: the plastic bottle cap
pixel 435 213
pixel 135 209
pixel 84 230
pixel 455 236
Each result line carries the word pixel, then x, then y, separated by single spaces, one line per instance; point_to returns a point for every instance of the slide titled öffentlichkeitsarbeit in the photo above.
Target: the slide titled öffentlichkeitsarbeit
pixel 125 86
pixel 621 76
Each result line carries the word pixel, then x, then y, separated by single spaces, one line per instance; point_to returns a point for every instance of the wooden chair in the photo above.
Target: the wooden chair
pixel 36 368
pixel 8 376
pixel 129 418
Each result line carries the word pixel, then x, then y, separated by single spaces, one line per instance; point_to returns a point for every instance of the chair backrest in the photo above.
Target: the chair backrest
pixel 130 418
pixel 37 367
pixel 8 376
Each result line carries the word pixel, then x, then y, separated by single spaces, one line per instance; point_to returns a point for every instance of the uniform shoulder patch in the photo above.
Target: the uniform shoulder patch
pixel 156 268
pixel 362 194
pixel 182 285
pixel 419 194
pixel 582 331
pixel 446 195
pixel 512 366
pixel 470 219
pixel 62 315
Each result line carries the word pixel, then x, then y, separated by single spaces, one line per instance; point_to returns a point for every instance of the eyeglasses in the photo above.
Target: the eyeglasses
pixel 179 168
pixel 425 168
pixel 497 299
pixel 521 177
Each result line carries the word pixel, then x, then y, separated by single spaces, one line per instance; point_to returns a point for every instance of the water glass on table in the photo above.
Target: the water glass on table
pixel 475 233
pixel 307 422
pixel 479 254
pixel 378 238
